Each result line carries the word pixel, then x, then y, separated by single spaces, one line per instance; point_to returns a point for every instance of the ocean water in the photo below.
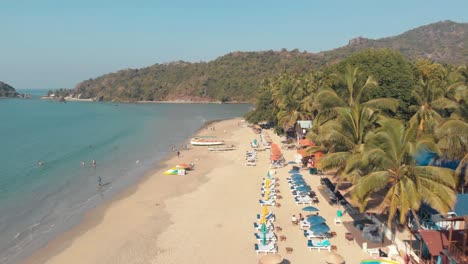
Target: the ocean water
pixel 126 140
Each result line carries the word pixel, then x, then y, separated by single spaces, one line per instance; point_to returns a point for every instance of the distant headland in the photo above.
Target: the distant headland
pixel 6 91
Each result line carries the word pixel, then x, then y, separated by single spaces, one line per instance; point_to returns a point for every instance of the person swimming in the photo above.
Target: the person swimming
pixel 39 163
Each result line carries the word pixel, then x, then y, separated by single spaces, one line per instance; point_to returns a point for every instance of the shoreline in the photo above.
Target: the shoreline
pixel 70 99
pixel 94 217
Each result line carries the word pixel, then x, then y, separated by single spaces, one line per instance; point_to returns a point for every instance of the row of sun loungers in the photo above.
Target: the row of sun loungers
pixel 270 236
pixel 303 194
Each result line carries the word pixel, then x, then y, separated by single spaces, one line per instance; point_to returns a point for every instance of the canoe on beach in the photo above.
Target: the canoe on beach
pixel 205 141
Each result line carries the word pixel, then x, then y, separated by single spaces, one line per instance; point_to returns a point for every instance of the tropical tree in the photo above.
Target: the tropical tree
pixel 389 152
pixel 344 138
pixel 431 103
pixel 328 99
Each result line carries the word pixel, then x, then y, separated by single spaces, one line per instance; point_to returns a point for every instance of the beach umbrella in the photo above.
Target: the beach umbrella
pixel 296 176
pixel 264 230
pixel 262 219
pixel 303 188
pixel 268 174
pixel 334 258
pixel 319 229
pixel 267 183
pixel 315 219
pixel 265 210
pixel 310 209
pixel 293 171
pixel 271 259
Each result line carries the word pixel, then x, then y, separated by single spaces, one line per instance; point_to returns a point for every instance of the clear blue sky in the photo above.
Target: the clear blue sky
pixel 58 43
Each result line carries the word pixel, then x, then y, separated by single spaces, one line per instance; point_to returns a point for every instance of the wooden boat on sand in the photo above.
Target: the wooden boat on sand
pixel 199 141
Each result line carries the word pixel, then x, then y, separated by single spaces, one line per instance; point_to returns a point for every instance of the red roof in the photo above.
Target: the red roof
pixel 306 142
pixel 436 241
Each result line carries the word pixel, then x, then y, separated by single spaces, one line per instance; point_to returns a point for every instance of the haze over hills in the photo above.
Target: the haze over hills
pixel 236 76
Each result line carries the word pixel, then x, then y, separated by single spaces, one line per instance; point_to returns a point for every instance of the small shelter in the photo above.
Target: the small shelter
pixel 303 126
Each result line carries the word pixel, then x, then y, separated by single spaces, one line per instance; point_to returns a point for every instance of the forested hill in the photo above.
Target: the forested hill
pixel 237 76
pixel 7 91
pixel 232 77
pixel 444 41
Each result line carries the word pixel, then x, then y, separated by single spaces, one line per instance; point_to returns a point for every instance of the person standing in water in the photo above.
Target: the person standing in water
pixel 94 163
pixel 82 163
pixel 39 164
pixel 99 181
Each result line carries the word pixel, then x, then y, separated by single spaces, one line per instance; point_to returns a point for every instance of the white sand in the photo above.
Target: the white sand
pixel 204 217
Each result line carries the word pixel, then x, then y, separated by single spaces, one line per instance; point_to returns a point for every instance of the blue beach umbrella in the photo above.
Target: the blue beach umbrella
pixel 319 229
pixel 303 188
pixel 296 175
pixel 310 209
pixel 315 220
pixel 293 171
pixel 268 174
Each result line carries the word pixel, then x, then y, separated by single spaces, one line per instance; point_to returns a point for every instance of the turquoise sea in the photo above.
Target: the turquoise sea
pixel 126 140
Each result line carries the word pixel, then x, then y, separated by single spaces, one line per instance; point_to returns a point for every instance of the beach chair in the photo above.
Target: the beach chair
pixel 269 216
pixel 304 224
pixel 269 226
pixel 319 245
pixel 309 235
pixel 269 202
pixel 270 236
pixel 373 251
pixel 268 248
pixel 303 200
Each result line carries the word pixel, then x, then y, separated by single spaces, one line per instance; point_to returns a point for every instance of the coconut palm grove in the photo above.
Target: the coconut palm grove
pixel 396 129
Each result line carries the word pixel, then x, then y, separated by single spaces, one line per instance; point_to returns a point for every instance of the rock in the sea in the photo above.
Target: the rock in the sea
pixel 7 91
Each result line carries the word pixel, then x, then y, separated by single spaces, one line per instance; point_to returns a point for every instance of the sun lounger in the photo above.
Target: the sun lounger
pixel 319 245
pixel 270 215
pixel 268 225
pixel 270 236
pixel 269 202
pixel 373 251
pixel 268 248
pixel 304 200
pixel 304 224
pixel 309 234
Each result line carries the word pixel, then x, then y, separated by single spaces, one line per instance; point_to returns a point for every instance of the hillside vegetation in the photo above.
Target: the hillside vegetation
pixel 237 76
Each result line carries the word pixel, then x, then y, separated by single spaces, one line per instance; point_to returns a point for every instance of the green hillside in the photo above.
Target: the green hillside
pixel 237 75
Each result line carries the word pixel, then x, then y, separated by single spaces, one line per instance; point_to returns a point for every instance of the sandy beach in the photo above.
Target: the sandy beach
pixel 205 216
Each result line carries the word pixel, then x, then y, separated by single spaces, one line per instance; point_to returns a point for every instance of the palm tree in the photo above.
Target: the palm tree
pixel 288 92
pixel 432 104
pixel 389 151
pixel 344 137
pixel 328 98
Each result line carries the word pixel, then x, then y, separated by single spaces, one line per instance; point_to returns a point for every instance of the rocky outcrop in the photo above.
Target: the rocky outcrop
pixel 7 91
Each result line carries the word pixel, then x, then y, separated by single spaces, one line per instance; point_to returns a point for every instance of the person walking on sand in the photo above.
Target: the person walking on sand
pixel 178 154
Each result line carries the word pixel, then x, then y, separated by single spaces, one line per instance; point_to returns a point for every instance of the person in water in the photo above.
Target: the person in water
pixel 99 181
pixel 94 163
pixel 82 163
pixel 39 164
